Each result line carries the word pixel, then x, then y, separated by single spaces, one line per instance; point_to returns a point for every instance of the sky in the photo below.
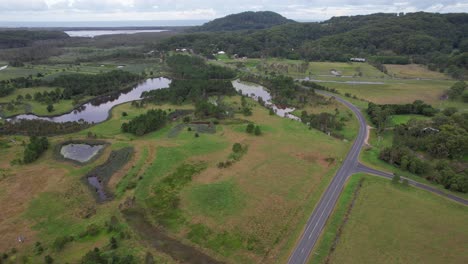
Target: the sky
pixel 118 10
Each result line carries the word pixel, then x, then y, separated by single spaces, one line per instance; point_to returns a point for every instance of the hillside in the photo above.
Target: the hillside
pixel 244 21
pixel 437 40
pixel 24 38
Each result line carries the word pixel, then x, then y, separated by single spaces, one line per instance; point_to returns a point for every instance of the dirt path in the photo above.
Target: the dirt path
pixel 366 141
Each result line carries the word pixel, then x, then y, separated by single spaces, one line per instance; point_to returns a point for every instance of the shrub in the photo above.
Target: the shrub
pixel 237 147
pixel 60 242
pixel 258 132
pixel 250 128
pixel 124 114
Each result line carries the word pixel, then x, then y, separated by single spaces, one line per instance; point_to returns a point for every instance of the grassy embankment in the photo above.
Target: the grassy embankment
pixel 394 224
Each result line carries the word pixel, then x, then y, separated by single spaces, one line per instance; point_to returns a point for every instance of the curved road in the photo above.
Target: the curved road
pixel 325 206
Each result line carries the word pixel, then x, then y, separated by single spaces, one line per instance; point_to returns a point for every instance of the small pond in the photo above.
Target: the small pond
pixel 80 152
pixel 256 91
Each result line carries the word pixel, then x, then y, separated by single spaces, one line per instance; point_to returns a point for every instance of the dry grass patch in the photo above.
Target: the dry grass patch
pixel 414 71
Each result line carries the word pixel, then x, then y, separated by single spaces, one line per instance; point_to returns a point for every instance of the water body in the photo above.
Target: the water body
pixel 256 91
pixel 80 152
pixel 95 33
pixel 98 110
pixel 90 24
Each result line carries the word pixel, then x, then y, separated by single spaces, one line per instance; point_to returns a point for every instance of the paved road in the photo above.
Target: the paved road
pixel 350 165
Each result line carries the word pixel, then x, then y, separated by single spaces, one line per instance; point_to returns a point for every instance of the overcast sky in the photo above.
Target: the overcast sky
pixel 110 10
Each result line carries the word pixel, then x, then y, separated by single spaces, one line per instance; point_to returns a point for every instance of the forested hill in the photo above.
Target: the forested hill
pixel 24 38
pixel 438 40
pixel 244 21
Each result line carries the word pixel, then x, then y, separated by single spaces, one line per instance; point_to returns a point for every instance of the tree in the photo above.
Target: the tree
pixel 396 178
pixel 258 132
pixel 250 128
pixel 50 108
pixel 113 243
pixel 48 259
pixel 237 147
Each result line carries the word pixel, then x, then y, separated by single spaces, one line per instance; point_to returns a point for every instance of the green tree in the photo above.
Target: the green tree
pixel 250 128
pixel 48 259
pixel 258 132
pixel 237 147
pixel 50 108
pixel 113 243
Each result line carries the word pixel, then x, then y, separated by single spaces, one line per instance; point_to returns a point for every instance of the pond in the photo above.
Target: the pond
pixel 80 152
pixel 256 91
pixel 98 109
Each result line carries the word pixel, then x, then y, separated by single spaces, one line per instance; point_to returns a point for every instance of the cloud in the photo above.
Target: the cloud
pixel 22 5
pixel 42 10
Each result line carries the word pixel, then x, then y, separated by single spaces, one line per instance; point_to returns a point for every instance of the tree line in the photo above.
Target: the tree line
pixel 145 123
pixel 380 114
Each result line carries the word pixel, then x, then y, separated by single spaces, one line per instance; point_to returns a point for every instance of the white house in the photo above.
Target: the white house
pixel 358 59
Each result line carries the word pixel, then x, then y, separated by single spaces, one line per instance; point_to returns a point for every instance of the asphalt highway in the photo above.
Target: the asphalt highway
pixel 325 206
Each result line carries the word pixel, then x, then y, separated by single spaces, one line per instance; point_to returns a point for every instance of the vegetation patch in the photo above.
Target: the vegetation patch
pixel 216 200
pixel 102 173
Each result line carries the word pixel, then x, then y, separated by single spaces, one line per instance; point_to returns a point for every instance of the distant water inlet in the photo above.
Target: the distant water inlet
pixel 95 33
pixel 98 110
pixel 80 152
pixel 256 92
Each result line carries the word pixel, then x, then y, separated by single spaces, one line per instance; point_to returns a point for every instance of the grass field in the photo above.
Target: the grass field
pixel 396 224
pixel 414 71
pixel 403 119
pixel 262 199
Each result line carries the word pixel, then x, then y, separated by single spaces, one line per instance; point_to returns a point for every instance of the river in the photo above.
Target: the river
pixel 98 110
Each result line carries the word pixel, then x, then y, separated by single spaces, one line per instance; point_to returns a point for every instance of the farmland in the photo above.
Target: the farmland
pixel 391 223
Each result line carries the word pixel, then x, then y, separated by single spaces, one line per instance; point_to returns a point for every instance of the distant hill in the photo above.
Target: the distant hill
pixel 24 38
pixel 244 21
pixel 437 40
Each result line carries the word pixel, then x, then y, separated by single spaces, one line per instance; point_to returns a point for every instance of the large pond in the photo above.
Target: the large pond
pixel 98 110
pixel 256 91
pixel 80 152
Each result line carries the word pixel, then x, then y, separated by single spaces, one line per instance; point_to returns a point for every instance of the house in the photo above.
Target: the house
pixel 358 59
pixel 221 52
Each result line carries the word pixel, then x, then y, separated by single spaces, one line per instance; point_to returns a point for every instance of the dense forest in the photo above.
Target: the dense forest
pixel 94 85
pixel 437 40
pixel 194 80
pixel 433 148
pixel 145 123
pixel 24 38
pixel 244 21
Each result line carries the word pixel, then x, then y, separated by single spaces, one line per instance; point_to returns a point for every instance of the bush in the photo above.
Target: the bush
pixel 60 242
pixel 258 132
pixel 237 147
pixel 250 128
pixel 48 259
pixel 124 114
pixel 197 135
pixel 396 178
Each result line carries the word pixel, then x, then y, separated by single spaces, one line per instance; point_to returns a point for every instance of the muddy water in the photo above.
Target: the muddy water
pixel 256 91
